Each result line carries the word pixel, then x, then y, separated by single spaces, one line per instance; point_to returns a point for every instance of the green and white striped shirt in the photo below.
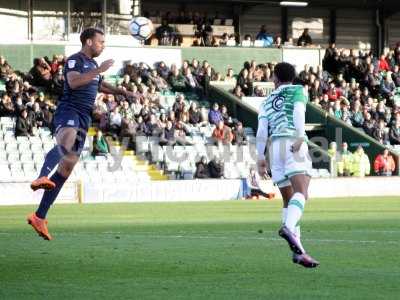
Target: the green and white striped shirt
pixel 278 109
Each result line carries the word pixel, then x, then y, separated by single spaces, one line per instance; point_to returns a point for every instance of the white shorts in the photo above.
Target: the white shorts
pixel 285 164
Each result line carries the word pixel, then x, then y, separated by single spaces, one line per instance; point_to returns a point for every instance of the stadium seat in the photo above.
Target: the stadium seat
pixel 142 144
pixel 26 157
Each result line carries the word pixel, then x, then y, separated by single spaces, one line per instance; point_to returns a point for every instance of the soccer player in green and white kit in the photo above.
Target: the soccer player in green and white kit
pixel 281 126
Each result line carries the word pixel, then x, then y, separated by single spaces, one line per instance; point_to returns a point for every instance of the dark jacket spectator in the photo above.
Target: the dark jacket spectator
pixel 201 169
pixel 380 133
pixel 305 39
pixel 216 168
pixel 168 135
pixel 394 133
pixel 23 127
pixel 239 138
pixel 194 114
pixel 177 81
pixel 179 106
pixel 164 34
pixel 7 108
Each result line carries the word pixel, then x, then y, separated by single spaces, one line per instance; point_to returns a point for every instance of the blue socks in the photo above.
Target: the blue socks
pixel 50 196
pixel 53 157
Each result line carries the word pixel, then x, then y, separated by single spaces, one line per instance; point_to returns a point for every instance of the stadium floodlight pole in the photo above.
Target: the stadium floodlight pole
pixel 293 3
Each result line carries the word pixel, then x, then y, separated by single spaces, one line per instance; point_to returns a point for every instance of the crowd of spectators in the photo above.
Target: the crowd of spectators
pixel 357 163
pixel 359 89
pixel 29 97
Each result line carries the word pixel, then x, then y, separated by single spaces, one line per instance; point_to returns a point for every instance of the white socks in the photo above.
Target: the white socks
pixel 297 231
pixel 284 214
pixel 294 211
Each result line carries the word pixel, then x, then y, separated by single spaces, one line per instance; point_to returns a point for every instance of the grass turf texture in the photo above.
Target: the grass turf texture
pixel 221 250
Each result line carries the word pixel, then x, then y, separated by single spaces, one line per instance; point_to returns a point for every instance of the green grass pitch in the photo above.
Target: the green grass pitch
pixel 210 250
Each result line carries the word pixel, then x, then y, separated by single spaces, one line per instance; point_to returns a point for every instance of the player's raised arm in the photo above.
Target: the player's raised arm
pixel 77 79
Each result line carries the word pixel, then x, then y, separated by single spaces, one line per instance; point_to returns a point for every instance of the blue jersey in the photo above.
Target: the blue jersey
pixel 81 99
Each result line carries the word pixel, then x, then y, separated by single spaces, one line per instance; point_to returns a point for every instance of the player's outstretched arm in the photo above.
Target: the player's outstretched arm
pixel 261 143
pixel 76 79
pixel 108 88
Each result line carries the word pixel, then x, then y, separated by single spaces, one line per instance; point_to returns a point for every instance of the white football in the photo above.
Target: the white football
pixel 140 28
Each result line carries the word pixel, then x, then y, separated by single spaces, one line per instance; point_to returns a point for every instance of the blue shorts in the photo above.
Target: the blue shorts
pixel 70 118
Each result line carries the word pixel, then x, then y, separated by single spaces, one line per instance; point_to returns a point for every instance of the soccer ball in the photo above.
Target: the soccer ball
pixel 140 28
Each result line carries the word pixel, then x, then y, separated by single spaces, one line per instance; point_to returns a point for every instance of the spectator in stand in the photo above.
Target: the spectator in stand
pixel 36 116
pixel 345 161
pixel 216 168
pixel 237 91
pixel 194 114
pixel 5 68
pixel 381 134
pixel 192 84
pixel 167 136
pixel 224 40
pixel 394 133
pixel 333 93
pixel 253 183
pixel 388 87
pixel 384 164
pixel 222 134
pixel 214 115
pixel 115 121
pixel 7 108
pixel 158 81
pixel 177 81
pixel 396 75
pixel 164 34
pixel 305 39
pixel 23 126
pixel 356 118
pixel 383 64
pixel 41 73
pixel 278 42
pixel 179 105
pixel 360 162
pixel 239 138
pixel 58 81
pixel 100 145
pixel 201 169
pixel 163 70
pixel 245 82
pixel 264 36
pixel 369 124
pixel 316 90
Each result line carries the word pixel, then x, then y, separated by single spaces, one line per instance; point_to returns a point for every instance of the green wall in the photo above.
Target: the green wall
pixel 20 57
pixel 222 58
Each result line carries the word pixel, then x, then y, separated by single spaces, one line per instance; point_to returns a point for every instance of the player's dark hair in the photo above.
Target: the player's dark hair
pixel 285 72
pixel 89 33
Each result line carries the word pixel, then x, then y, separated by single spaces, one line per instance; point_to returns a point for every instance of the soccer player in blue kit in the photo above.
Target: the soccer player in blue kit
pixel 71 121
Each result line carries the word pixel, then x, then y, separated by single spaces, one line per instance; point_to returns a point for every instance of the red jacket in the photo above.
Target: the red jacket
pixel 383 65
pixel 382 164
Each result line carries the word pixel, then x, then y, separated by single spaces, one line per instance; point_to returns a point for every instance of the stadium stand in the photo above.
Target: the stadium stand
pixel 354 87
